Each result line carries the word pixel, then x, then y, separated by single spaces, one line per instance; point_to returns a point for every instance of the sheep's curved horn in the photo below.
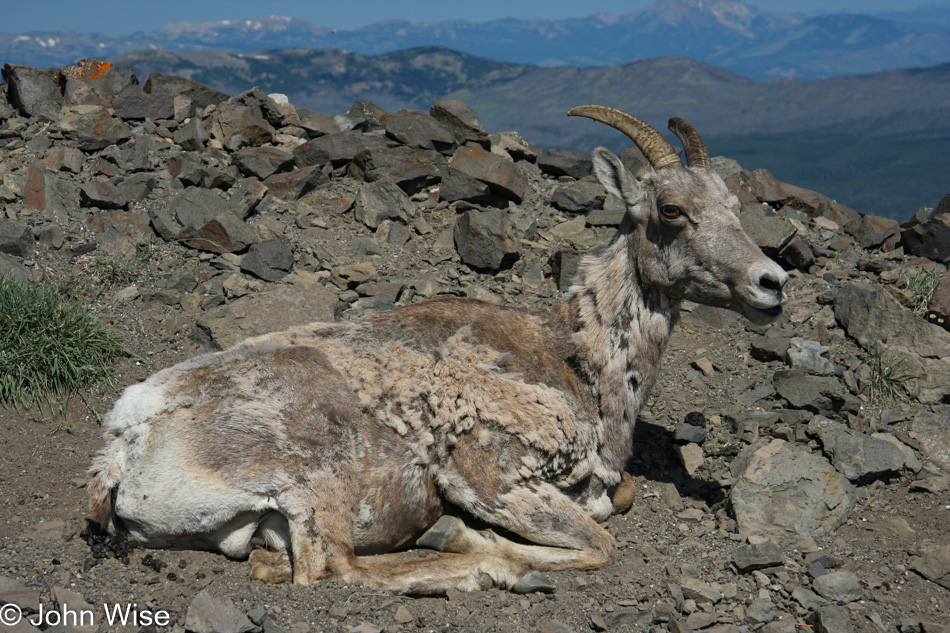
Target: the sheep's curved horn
pixel 696 154
pixel 656 148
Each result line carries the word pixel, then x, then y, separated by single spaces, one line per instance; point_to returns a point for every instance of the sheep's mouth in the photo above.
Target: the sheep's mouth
pixel 762 316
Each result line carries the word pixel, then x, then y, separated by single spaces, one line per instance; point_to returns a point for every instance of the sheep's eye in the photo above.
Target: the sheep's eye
pixel 671 211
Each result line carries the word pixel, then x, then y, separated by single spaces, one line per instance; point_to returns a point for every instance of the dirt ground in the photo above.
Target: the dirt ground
pixel 678 526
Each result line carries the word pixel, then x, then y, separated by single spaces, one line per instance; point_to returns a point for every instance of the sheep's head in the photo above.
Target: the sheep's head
pixel 685 234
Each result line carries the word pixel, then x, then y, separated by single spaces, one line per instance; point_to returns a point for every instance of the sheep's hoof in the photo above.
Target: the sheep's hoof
pixel 272 567
pixel 532 582
pixel 439 536
pixel 625 493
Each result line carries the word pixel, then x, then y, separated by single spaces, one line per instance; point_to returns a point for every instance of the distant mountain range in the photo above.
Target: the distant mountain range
pixel 723 33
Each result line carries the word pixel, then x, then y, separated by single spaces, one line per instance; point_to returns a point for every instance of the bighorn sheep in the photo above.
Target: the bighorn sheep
pixel 337 440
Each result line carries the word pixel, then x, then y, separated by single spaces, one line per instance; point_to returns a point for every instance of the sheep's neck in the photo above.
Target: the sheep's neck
pixel 621 328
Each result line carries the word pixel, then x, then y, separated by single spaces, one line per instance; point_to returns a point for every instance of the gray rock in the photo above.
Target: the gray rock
pixel 870 315
pixel 796 254
pixel 271 260
pixel 67 599
pixel 273 311
pixel 578 197
pixel 293 185
pixel 760 555
pixel 565 162
pixel 12 591
pixel 207 614
pixel 16 238
pixel 412 169
pixel 830 619
pixel 32 91
pixel 317 125
pixel 200 95
pixel 859 457
pixel 770 231
pixel 872 231
pixel 136 187
pixel 486 239
pixel 192 136
pixel 336 149
pixel 202 219
pixel 459 186
pixel 13 269
pixel 105 79
pixel 92 127
pixel 564 266
pixel 256 98
pixel 818 394
pixel 807 598
pixel 262 162
pixel 103 195
pixel 785 492
pixel 237 126
pixel 691 429
pixel 144 106
pixel 382 200
pixel 766 349
pixel 699 590
pixel 496 171
pixel 761 611
pixel 932 429
pixel 418 129
pixel 930 239
pixel 120 232
pixel 62 158
pixel 807 356
pixel 934 565
pixel 838 586
pixel 461 120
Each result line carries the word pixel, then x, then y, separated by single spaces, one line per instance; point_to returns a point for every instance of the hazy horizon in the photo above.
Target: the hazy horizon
pixel 118 18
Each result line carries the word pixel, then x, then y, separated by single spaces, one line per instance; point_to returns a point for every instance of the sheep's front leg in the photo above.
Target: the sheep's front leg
pixel 565 536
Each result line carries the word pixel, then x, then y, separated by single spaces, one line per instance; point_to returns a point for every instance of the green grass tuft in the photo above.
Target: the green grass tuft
pixel 892 376
pixel 921 283
pixel 114 270
pixel 51 347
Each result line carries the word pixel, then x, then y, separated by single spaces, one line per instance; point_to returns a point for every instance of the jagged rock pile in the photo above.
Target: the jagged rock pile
pixel 267 215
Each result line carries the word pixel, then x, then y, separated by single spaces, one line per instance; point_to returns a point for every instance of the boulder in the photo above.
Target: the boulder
pixel 819 394
pixel 579 197
pixel 16 238
pixel 201 96
pixel 860 458
pixel 32 91
pixel 279 309
pixel 770 231
pixel 930 239
pixel 462 121
pixel 293 185
pixel 207 614
pixel 565 162
pixel 144 106
pixel 270 261
pixel 495 171
pixel 92 127
pixel 486 239
pixel 785 492
pixel 202 219
pixel 191 136
pixel 417 129
pixel 337 149
pixel 412 169
pixel 382 200
pixel 106 79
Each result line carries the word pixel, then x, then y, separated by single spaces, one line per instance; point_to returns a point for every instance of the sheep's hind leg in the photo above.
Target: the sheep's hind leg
pixel 321 545
pixel 565 536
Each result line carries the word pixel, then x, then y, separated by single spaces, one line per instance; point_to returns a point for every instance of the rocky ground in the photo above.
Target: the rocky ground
pixel 778 486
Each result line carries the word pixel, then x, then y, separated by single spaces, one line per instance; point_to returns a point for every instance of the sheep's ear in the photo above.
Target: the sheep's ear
pixel 617 180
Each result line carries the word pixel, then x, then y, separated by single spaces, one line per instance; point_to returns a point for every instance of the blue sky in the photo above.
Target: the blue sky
pixel 123 17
